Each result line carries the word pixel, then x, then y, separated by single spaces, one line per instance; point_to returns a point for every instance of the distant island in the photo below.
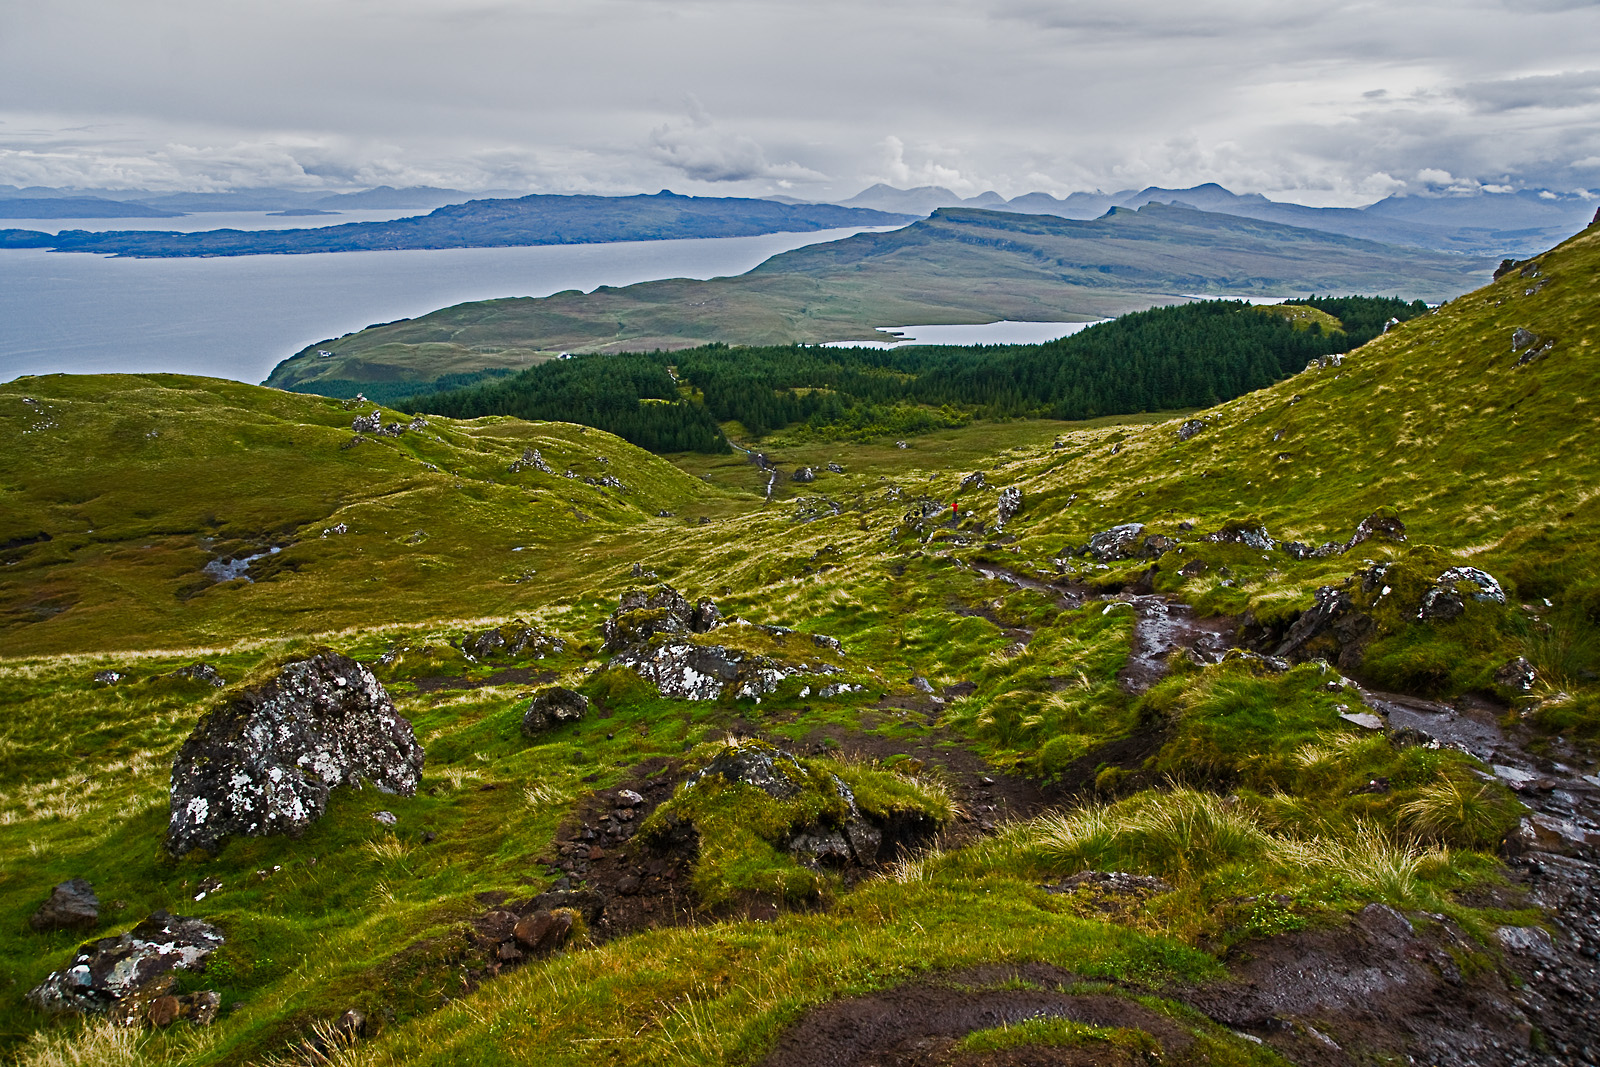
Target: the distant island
pixel 299 212
pixel 528 220
pixel 963 265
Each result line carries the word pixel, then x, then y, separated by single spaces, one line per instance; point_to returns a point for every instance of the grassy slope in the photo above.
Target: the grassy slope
pixel 139 481
pixel 962 265
pixel 1483 461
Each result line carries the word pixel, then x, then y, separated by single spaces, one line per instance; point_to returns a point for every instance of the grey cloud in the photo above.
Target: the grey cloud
pixel 700 150
pixel 819 97
pixel 1572 89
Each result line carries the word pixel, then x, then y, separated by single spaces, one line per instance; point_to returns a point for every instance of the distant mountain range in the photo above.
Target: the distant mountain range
pixel 1495 224
pixel 528 220
pixel 1518 223
pixel 961 265
pixel 38 202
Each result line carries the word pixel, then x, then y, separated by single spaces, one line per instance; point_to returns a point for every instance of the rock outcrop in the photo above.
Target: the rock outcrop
pixel 72 906
pixel 1447 597
pixel 1117 543
pixel 552 707
pixel 109 970
pixel 650 634
pixel 643 615
pixel 265 761
pixel 513 640
pixel 1007 506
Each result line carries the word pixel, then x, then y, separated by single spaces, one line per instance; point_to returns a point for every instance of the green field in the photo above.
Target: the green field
pixel 1237 785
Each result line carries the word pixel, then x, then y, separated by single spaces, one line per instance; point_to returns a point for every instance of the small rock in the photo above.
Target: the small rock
pixel 629 798
pixel 804 474
pixel 544 931
pixel 1517 674
pixel 901 444
pixel 108 677
pixel 385 818
pixel 201 672
pixel 72 905
pixel 835 468
pixel 1117 543
pixel 551 707
pixel 1007 506
pixel 1190 428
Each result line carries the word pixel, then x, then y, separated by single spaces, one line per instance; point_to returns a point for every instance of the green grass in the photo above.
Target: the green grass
pixel 1248 795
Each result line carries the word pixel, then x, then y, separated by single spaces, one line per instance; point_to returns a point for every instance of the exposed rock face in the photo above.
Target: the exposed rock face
pixel 804 474
pixel 552 707
pixel 106 971
pixel 201 672
pixel 974 480
pixel 1190 428
pixel 1255 537
pixel 72 905
pixel 854 841
pixel 1007 506
pixel 1119 542
pixel 265 761
pixel 514 639
pixel 641 616
pixel 1331 627
pixel 684 671
pixel 367 423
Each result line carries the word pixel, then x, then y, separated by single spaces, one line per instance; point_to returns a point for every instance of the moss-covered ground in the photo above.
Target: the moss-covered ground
pixel 1246 794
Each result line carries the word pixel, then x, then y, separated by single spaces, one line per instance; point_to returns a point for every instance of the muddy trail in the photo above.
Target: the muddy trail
pixel 1386 987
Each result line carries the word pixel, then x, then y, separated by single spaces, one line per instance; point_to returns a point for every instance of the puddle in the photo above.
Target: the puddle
pixel 226 570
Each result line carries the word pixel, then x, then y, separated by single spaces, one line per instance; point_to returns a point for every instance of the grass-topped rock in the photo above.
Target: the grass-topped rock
pixel 766 826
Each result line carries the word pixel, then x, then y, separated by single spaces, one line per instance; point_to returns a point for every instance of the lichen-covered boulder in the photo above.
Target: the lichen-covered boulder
pixel 1448 596
pixel 1119 542
pixel 106 971
pixel 552 707
pixel 265 760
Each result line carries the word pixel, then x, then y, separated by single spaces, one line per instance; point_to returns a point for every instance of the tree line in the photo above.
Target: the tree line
pixel 1188 355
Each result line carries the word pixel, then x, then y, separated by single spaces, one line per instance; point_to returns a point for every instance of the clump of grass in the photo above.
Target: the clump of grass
pixel 388 849
pixel 1459 812
pixel 544 795
pixel 1368 858
pixel 99 1043
pixel 1180 834
pixel 1057 1033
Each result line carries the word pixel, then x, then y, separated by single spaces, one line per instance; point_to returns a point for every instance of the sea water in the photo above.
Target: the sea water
pixel 238 316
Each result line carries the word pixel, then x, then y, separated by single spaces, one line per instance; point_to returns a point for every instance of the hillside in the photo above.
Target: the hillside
pixel 530 220
pixel 1266 781
pixel 961 265
pixel 1490 224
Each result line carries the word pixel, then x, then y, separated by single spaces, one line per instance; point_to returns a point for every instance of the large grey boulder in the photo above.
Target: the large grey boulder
pixel 106 971
pixel 265 761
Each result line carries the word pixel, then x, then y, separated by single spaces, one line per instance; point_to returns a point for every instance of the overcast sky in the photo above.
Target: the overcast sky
pixel 1333 103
